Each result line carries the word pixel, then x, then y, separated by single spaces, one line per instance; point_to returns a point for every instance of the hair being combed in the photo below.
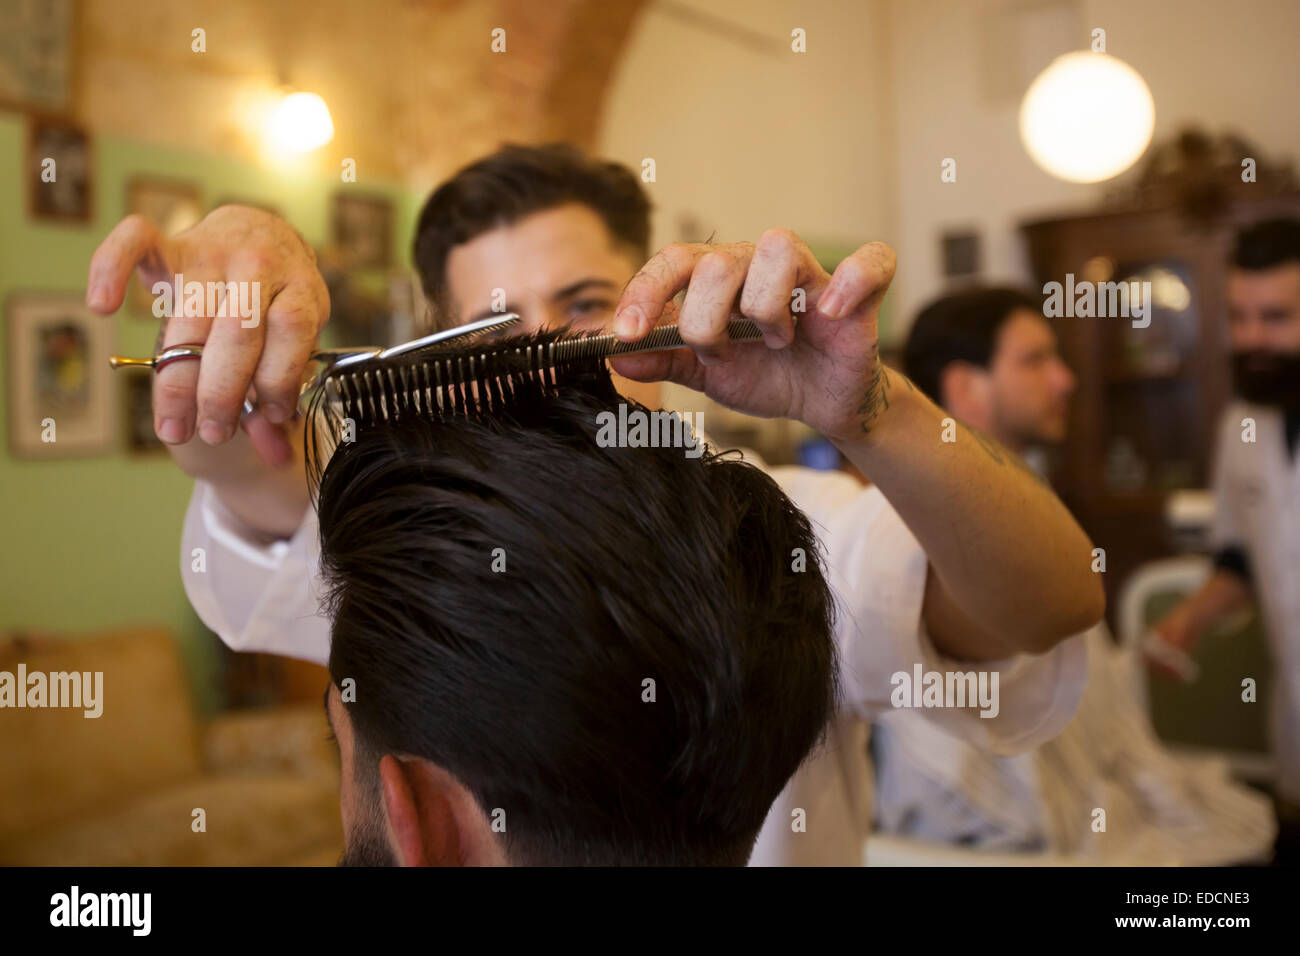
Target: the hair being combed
pixel 473 379
pixel 505 592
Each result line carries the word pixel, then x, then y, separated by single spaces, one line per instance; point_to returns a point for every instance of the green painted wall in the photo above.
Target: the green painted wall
pixel 90 543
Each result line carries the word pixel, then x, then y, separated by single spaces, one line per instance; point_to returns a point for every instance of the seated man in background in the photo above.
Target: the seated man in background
pixel 989 357
pixel 525 675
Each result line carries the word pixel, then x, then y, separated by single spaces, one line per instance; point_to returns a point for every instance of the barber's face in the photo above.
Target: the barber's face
pixel 1030 385
pixel 1264 323
pixel 1264 309
pixel 555 267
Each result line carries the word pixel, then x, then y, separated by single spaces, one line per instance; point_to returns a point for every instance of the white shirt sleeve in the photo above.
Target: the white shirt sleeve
pixel 256 595
pixel 878 572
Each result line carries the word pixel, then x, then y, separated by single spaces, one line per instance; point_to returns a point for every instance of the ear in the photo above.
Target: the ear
pixel 965 391
pixel 433 820
pixel 422 823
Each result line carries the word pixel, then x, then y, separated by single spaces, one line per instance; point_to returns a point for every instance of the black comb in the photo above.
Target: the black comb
pixel 482 378
pixel 479 380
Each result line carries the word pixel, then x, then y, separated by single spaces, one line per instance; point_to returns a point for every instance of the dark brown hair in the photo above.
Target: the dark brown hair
pixel 515 182
pixel 959 327
pixel 1267 244
pixel 501 588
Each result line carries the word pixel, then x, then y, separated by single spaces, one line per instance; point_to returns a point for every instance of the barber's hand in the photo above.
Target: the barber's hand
pixel 231 244
pixel 820 366
pixel 1178 632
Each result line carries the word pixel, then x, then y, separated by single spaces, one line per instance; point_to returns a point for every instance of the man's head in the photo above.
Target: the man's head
pixel 1264 312
pixel 990 358
pixel 557 232
pixel 555 652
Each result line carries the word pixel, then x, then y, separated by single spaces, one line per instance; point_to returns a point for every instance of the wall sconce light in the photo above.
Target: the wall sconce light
pixel 301 123
pixel 1087 117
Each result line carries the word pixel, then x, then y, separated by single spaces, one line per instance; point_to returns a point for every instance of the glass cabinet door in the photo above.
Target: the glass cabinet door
pixel 1151 424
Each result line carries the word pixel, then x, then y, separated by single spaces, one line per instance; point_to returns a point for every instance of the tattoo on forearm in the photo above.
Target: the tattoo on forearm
pixel 876 401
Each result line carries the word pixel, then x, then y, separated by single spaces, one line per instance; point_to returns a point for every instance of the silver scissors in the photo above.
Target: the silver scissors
pixel 329 359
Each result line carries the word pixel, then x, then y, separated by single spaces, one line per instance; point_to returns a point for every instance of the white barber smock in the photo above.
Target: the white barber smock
pixel 1257 498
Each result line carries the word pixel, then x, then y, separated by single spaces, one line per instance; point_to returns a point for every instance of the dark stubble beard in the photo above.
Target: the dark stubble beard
pixel 1265 377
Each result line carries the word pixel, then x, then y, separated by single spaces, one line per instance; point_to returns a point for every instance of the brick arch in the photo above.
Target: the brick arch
pixel 596 34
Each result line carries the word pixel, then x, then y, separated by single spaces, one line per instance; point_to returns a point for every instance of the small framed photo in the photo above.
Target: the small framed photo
pixel 38 55
pixel 961 254
pixel 61 397
pixel 363 229
pixel 173 205
pixel 59 183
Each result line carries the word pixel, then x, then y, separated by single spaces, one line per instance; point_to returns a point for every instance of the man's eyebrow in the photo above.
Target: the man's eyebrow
pixel 582 285
pixel 573 288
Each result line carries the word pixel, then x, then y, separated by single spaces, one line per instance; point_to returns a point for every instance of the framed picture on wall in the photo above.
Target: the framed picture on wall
pixel 362 230
pixel 59 181
pixel 61 397
pixel 173 205
pixel 38 55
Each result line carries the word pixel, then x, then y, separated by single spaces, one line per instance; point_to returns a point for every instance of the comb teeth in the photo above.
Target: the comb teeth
pixel 484 379
pixel 476 383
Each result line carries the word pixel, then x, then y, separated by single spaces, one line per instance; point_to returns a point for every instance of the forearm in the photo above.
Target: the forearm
pixel 999 542
pixel 1223 594
pixel 271 501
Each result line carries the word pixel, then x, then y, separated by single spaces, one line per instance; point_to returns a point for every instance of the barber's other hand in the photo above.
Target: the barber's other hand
pixel 231 244
pixel 821 369
pixel 1177 630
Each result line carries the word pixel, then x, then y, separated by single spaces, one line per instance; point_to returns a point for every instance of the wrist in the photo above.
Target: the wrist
pixel 888 405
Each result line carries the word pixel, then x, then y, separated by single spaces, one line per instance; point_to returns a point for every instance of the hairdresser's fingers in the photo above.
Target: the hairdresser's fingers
pixel 176 384
pixel 859 282
pixel 293 323
pixel 229 358
pixel 680 366
pixel 135 241
pixel 710 299
pixel 782 265
pixel 652 288
pixel 233 349
pixel 654 285
pixel 270 441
